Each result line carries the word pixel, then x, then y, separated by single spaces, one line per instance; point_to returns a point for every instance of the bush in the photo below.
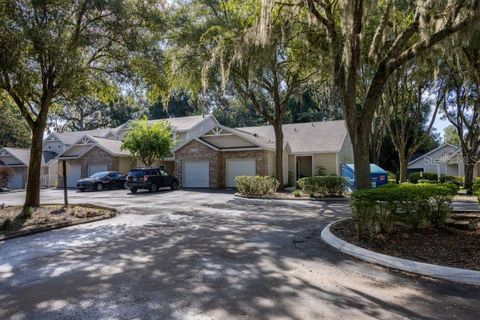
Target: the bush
pixel 452 179
pixel 323 186
pixel 6 224
pixel 6 175
pixel 378 210
pixel 414 177
pixel 427 181
pixel 297 193
pixel 27 212
pixel 256 185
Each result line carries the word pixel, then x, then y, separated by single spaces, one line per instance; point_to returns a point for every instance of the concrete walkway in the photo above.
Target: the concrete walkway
pixel 207 255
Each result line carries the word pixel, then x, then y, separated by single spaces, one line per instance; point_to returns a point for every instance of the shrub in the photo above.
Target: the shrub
pixel 321 171
pixel 27 212
pixel 427 181
pixel 377 210
pixel 323 186
pixel 452 179
pixel 297 193
pixel 256 185
pixel 6 223
pixel 414 177
pixel 6 174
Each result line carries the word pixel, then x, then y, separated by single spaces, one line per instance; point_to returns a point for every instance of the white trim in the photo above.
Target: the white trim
pixel 431 151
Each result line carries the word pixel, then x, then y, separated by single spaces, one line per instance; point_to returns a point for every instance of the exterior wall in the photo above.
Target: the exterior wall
pixel 94 156
pixel 292 171
pixel 345 155
pixel 200 129
pixel 195 150
pixel 271 163
pixel 125 164
pixel 432 162
pixel 325 160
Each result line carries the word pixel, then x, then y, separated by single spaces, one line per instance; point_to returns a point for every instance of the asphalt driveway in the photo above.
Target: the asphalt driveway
pixel 207 255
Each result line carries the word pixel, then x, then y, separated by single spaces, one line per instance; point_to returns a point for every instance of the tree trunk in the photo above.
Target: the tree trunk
pixel 32 198
pixel 279 153
pixel 469 165
pixel 402 159
pixel 361 159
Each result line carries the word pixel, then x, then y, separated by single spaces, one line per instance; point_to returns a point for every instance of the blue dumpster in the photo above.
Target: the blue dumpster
pixel 378 176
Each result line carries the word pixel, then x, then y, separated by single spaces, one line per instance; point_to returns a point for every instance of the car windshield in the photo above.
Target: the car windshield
pixel 136 173
pixel 99 175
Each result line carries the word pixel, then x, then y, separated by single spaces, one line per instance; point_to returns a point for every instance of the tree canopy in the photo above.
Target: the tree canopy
pixel 149 142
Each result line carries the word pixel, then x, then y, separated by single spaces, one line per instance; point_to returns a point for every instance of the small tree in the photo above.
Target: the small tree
pixel 149 142
pixel 6 174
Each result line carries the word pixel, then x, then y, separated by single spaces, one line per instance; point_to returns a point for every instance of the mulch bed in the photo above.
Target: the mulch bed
pixel 446 246
pixel 12 221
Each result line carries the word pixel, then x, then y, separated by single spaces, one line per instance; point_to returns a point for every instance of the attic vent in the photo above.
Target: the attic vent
pixel 295 129
pixel 255 135
pixel 313 125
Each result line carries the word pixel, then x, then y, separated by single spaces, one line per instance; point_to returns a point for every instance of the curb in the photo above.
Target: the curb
pixel 458 275
pixel 237 195
pixel 24 233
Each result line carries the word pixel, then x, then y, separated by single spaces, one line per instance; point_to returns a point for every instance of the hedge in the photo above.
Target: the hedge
pixel 414 205
pixel 414 177
pixel 323 186
pixel 256 185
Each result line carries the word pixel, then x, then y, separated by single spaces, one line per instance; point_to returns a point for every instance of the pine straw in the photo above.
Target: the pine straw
pixel 445 246
pixel 47 215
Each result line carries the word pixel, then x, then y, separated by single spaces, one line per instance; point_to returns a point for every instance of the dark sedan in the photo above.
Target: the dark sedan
pixel 102 180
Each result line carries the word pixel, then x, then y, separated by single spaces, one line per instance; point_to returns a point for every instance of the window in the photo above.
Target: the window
pixel 59 146
pixel 163 173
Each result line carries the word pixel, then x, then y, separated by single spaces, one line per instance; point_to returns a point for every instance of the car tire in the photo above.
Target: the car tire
pixel 99 187
pixel 153 188
pixel 174 185
pixel 133 190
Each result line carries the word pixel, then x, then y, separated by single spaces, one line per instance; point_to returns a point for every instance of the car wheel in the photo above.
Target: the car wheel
pixel 99 187
pixel 133 190
pixel 153 187
pixel 174 185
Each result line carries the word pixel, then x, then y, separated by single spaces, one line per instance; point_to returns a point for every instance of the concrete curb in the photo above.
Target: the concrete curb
pixel 24 233
pixel 459 275
pixel 237 195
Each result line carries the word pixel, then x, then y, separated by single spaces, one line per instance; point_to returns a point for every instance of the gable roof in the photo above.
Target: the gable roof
pixel 444 145
pixel 179 124
pixel 71 137
pixel 23 155
pixel 87 142
pixel 311 137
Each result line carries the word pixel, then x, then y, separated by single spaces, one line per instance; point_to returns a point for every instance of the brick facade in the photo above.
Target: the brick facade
pixel 95 156
pixel 195 150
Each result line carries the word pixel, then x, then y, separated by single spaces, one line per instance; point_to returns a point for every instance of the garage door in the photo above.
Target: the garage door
pixel 75 175
pixel 98 167
pixel 17 181
pixel 239 167
pixel 196 174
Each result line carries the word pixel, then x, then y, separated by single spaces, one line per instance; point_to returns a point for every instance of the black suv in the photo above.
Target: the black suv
pixel 150 179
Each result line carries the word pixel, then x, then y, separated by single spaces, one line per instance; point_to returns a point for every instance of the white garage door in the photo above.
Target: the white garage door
pixel 195 174
pixel 17 181
pixel 75 175
pixel 239 167
pixel 98 167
